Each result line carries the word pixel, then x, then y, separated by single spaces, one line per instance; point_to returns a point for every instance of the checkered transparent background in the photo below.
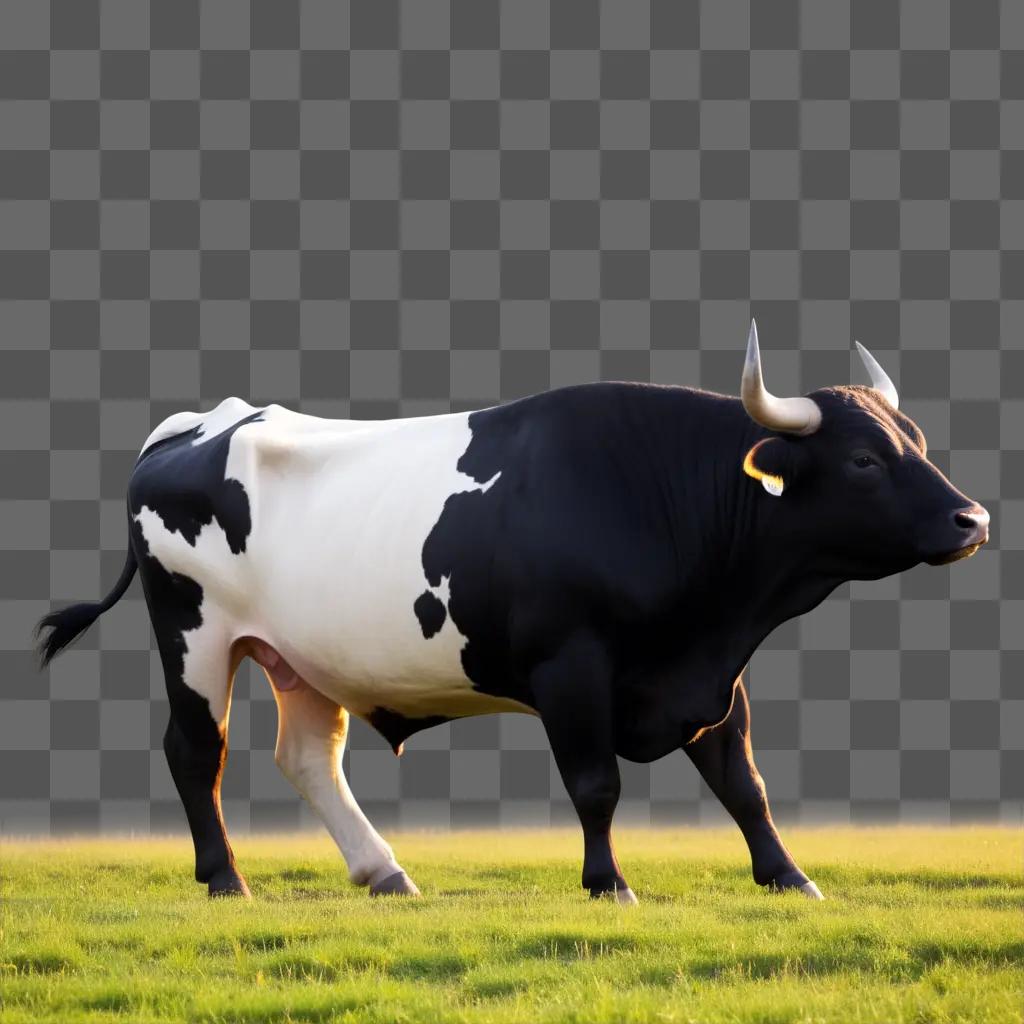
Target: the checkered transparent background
pixel 388 208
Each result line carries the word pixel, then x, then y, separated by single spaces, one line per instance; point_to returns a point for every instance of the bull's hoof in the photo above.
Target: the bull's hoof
pixel 622 895
pixel 398 884
pixel 229 882
pixel 811 891
pixel 793 881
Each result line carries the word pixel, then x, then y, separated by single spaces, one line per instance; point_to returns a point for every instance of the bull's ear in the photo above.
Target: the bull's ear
pixel 770 462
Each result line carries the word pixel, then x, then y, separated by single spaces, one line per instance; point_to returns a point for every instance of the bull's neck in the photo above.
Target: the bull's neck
pixel 740 562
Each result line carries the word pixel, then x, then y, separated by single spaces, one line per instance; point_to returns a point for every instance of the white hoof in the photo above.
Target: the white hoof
pixel 398 884
pixel 811 891
pixel 626 897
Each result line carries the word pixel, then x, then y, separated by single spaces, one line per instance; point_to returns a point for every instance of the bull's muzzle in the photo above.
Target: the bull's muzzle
pixel 970 528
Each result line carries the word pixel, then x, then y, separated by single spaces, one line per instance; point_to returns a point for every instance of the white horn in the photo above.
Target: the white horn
pixel 879 378
pixel 789 415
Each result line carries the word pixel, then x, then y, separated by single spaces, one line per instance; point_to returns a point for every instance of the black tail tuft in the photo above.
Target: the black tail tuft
pixel 68 624
pixel 65 626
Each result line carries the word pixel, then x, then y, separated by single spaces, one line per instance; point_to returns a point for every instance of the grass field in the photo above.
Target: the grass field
pixel 918 925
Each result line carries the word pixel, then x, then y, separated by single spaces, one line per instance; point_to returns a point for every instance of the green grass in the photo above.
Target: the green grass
pixel 918 925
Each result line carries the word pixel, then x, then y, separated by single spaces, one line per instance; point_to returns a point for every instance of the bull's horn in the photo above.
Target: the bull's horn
pixel 789 415
pixel 879 378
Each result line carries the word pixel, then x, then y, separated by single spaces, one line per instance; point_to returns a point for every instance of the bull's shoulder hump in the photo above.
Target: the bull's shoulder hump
pixel 205 424
pixel 273 422
pixel 178 423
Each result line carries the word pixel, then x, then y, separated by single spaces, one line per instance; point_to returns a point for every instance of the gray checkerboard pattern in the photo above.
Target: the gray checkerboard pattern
pixel 384 208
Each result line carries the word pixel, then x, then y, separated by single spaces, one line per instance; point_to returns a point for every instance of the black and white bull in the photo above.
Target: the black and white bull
pixel 607 557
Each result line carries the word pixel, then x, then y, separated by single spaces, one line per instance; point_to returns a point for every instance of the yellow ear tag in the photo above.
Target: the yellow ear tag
pixel 772 484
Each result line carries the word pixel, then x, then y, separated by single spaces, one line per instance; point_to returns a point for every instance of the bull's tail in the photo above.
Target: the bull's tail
pixel 68 624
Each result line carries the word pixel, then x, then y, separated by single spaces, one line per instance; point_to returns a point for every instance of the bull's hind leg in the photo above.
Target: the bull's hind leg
pixel 724 757
pixel 199 673
pixel 311 734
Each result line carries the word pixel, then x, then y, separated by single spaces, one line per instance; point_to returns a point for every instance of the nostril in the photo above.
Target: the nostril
pixel 970 519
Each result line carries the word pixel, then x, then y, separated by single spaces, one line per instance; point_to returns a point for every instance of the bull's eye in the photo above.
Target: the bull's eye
pixel 863 461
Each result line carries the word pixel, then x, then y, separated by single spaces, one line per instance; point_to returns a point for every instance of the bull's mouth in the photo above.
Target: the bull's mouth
pixel 955 556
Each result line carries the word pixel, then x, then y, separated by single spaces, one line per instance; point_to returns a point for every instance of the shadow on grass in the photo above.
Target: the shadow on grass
pixel 1000 901
pixel 967 950
pixel 861 953
pixel 112 915
pixel 308 965
pixel 41 962
pixel 939 880
pixel 432 967
pixel 299 893
pixel 304 967
pixel 113 1001
pixel 774 910
pixel 301 874
pixel 316 1010
pixel 255 942
pixel 568 946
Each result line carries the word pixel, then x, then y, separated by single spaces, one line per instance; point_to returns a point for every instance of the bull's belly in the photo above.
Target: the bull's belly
pixel 367 662
pixel 427 700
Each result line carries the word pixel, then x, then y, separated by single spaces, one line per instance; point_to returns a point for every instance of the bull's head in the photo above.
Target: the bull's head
pixel 857 474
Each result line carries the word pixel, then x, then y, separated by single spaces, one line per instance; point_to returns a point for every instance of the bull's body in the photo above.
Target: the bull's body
pixel 415 570
pixel 601 556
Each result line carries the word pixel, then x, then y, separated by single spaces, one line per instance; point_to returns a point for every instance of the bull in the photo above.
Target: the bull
pixel 605 556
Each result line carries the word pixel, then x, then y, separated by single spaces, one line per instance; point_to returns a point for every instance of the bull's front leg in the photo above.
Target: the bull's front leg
pixel 572 692
pixel 724 758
